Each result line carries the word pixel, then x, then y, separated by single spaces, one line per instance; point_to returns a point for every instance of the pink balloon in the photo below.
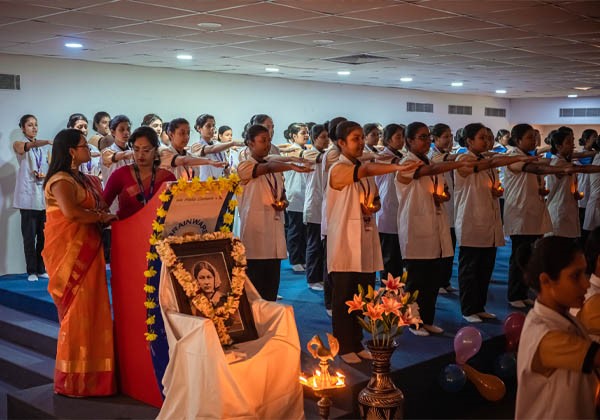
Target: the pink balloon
pixel 467 343
pixel 513 325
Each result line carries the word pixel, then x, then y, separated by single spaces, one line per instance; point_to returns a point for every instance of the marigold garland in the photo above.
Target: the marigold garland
pixel 218 186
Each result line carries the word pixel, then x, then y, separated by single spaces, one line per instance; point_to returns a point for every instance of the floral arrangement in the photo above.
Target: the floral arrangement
pixel 219 186
pixel 220 313
pixel 386 311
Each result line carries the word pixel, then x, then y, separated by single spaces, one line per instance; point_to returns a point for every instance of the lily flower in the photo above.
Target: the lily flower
pixel 393 284
pixel 356 304
pixel 374 312
pixel 391 306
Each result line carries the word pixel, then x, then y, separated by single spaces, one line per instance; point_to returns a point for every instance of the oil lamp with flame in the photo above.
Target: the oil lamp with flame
pixel 322 382
pixel 578 195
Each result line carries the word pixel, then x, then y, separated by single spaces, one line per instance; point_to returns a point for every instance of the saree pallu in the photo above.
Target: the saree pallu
pixel 75 263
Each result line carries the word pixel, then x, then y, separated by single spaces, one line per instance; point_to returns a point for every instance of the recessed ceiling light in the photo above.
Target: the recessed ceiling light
pixel 583 88
pixel 73 45
pixel 456 84
pixel 409 55
pixel 184 57
pixel 500 90
pixel 406 79
pixel 343 73
pixel 572 96
pixel 209 25
pixel 271 69
pixel 323 41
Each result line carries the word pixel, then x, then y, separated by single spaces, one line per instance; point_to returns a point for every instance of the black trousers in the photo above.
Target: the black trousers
pixel 327 282
pixel 517 289
pixel 265 276
pixel 392 257
pixel 106 240
pixel 314 254
pixel 426 277
pixel 296 238
pixel 32 229
pixel 345 326
pixel 475 267
pixel 448 262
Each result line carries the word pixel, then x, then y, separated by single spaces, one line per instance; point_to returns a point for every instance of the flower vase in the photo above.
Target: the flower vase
pixel 380 399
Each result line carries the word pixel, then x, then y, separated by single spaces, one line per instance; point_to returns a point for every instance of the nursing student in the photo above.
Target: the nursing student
pixel 261 209
pixel 564 189
pixel 100 124
pixel 478 222
pixel 440 151
pixel 526 216
pixel 176 157
pixel 589 315
pixel 353 249
pixel 118 154
pixel 423 228
pixel 557 362
pixel 295 189
pixel 33 156
pixel 92 166
pixel 387 223
pixel 313 199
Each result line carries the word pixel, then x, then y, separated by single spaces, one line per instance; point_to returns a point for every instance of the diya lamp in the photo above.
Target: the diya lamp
pixel 578 195
pixel 322 382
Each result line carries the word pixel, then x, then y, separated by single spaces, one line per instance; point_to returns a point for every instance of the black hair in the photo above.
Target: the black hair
pixel 144 131
pixel 315 130
pixel 412 128
pixel 517 133
pixel 548 139
pixel 557 139
pixel 118 119
pixel 223 129
pixel 310 125
pixel 62 160
pixel 165 127
pixel 253 131
pixel 501 133
pixel 73 118
pixel 203 119
pixel 24 119
pixel 258 119
pixel 175 123
pixel 470 131
pixel 592 250
pixel 439 129
pixel 586 135
pixel 98 117
pixel 293 128
pixel 367 128
pixel 344 128
pixel 549 255
pixel 245 130
pixel 459 135
pixel 149 119
pixel 566 129
pixel 390 130
pixel 333 126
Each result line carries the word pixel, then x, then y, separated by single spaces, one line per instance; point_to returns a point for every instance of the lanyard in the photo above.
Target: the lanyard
pixel 366 191
pixel 273 185
pixel 37 153
pixel 142 195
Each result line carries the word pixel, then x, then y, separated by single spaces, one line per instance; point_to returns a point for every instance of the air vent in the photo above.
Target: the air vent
pixel 495 112
pixel 579 112
pixel 358 59
pixel 460 109
pixel 417 107
pixel 10 81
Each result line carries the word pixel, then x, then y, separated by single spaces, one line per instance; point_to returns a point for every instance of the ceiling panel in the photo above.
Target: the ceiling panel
pixel 531 47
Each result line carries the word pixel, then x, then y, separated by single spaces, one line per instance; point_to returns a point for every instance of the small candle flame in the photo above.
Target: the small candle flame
pixel 303 380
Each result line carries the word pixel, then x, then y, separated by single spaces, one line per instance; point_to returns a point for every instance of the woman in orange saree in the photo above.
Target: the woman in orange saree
pixel 74 259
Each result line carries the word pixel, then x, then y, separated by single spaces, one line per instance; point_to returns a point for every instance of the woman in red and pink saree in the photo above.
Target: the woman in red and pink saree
pixel 73 253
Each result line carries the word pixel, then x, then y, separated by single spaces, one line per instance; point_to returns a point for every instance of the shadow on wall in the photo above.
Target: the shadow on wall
pixel 8 175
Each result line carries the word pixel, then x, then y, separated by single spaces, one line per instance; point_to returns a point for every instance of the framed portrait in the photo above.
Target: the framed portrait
pixel 210 263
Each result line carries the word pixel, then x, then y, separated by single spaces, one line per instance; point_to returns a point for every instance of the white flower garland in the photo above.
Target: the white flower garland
pixel 220 313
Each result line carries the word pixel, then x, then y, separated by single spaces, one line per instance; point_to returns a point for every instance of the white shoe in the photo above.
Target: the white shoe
pixel 528 302
pixel 351 358
pixel 433 329
pixel 519 304
pixel 442 291
pixel 316 286
pixel 329 312
pixel 486 315
pixel 298 268
pixel 450 289
pixel 421 332
pixel 472 318
pixel 365 354
pixel 32 277
pixel 279 297
pixel 44 276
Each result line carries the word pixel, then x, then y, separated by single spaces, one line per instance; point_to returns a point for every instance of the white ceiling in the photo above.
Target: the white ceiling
pixel 531 48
